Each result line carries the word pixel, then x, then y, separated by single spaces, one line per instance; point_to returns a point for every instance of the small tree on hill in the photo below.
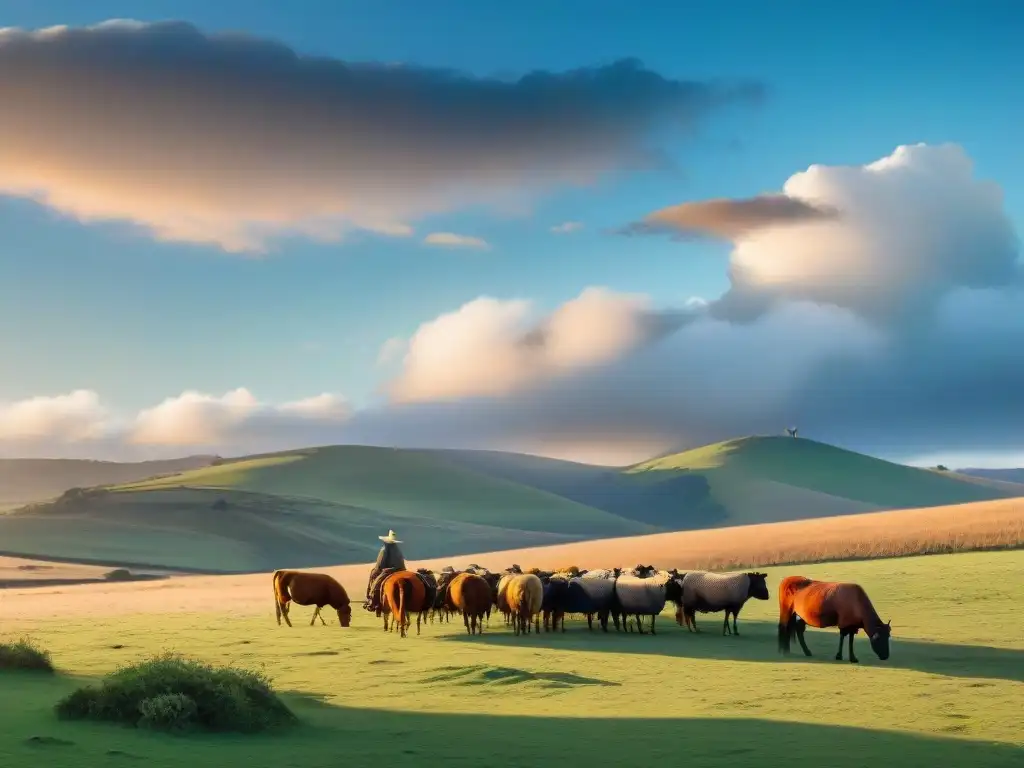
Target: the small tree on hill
pixel 791 431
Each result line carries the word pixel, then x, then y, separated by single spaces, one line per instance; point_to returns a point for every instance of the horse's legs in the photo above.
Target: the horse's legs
pixel 842 639
pixel 536 621
pixel 284 612
pixel 801 625
pixel 465 620
pixel 590 622
pixel 853 659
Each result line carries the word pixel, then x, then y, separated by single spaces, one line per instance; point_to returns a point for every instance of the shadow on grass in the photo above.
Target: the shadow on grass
pixel 329 735
pixel 758 643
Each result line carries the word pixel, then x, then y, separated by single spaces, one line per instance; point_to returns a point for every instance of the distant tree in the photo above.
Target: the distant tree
pixel 792 431
pixel 942 468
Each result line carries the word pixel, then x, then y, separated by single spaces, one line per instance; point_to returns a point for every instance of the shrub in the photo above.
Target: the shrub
pixel 24 654
pixel 176 694
pixel 118 574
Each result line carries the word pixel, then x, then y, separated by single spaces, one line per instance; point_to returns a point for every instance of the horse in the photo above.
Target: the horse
pixel 405 593
pixel 821 604
pixel 304 588
pixel 470 594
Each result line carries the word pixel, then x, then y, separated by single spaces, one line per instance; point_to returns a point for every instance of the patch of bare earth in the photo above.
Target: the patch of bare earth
pixel 956 528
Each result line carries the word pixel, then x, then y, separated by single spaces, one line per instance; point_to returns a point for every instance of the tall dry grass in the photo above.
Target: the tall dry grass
pixel 931 530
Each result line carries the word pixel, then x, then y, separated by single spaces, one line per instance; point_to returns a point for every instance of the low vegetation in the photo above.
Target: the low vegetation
pixel 24 655
pixel 176 694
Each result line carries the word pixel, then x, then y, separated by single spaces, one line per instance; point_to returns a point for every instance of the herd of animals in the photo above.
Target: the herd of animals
pixel 627 598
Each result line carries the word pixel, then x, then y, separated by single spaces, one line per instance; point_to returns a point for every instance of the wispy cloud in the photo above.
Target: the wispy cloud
pixel 391 350
pixel 453 240
pixel 567 227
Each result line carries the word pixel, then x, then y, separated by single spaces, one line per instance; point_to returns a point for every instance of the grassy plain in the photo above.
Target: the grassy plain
pixel 950 693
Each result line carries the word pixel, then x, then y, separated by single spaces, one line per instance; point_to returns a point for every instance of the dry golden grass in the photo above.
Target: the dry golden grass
pixel 932 530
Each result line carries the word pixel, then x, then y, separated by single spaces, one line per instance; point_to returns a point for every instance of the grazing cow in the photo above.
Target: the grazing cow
pixel 821 604
pixel 304 588
pixel 471 594
pixel 440 607
pixel 641 596
pixel 525 596
pixel 712 592
pixel 406 593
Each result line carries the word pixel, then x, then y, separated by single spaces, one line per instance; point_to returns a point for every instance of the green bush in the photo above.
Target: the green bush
pixel 24 654
pixel 118 574
pixel 176 694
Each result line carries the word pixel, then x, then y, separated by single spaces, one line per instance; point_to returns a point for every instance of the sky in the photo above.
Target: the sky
pixel 233 227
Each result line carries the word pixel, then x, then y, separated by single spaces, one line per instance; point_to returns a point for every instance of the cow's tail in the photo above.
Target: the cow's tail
pixel 404 587
pixel 280 595
pixel 788 588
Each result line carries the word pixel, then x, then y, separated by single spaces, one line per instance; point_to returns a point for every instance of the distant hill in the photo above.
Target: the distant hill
pixel 26 480
pixel 326 506
pixel 303 508
pixel 771 479
pixel 1003 475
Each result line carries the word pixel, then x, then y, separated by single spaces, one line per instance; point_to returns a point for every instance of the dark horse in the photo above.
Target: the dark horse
pixel 317 589
pixel 803 601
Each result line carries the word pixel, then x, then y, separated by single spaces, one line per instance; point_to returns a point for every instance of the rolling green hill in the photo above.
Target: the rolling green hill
pixel 26 480
pixel 325 506
pixel 304 508
pixel 764 479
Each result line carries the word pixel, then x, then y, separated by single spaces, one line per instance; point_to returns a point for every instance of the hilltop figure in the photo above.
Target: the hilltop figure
pixel 792 431
pixel 389 559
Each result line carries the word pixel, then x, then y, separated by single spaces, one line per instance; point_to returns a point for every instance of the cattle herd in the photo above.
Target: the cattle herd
pixel 626 598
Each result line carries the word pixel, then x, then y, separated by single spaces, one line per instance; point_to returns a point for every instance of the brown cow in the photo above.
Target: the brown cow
pixel 405 593
pixel 317 589
pixel 470 594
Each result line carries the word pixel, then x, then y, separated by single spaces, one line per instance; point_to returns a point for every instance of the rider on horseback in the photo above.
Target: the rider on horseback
pixel 389 559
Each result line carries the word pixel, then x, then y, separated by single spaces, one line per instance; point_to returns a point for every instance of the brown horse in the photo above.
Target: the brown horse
pixel 317 589
pixel 405 593
pixel 470 594
pixel 804 601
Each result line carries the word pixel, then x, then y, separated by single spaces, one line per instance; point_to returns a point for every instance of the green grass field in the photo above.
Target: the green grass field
pixel 950 694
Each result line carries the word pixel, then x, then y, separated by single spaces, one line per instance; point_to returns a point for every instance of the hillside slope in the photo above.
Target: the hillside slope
pixel 326 506
pixel 768 479
pixel 26 480
pixel 302 509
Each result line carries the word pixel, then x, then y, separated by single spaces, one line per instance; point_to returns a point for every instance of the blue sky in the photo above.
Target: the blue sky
pixel 94 305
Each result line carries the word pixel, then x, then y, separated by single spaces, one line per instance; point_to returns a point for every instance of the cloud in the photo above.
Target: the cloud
pixel 232 140
pixel 567 227
pixel 613 376
pixel 75 417
pixel 195 419
pixel 452 240
pixel 731 219
pixel 391 350
pixel 496 347
pixel 913 226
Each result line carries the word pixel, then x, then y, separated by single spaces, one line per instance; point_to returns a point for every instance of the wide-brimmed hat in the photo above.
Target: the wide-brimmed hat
pixel 390 538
